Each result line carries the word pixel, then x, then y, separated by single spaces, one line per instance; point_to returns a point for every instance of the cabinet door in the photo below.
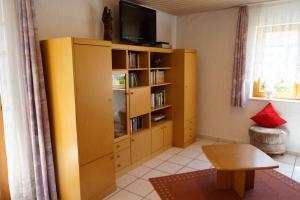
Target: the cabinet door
pixel 94 108
pixel 168 134
pixel 139 101
pixel 97 177
pixel 190 85
pixel 157 138
pixel 140 145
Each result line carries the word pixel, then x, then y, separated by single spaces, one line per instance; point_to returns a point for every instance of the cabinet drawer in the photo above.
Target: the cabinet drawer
pixel 119 146
pixel 97 177
pixel 122 159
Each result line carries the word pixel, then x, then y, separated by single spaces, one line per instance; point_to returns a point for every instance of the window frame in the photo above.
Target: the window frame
pixel 257 83
pixel 276 95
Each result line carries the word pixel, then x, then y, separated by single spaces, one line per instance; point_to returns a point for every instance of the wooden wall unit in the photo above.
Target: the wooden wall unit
pixel 184 97
pixel 78 74
pixel 95 94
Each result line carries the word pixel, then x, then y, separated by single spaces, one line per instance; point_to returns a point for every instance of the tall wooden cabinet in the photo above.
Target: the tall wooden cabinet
pixel 4 188
pixel 78 74
pixel 184 96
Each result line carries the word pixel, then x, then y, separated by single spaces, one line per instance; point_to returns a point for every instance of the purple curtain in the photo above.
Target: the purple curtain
pixel 238 96
pixel 36 103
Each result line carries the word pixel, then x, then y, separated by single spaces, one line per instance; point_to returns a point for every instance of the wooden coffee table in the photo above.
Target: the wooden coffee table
pixel 236 165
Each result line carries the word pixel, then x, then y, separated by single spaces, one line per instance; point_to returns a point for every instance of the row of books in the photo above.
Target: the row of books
pixel 158 98
pixel 133 59
pixel 134 80
pixel 136 123
pixel 157 77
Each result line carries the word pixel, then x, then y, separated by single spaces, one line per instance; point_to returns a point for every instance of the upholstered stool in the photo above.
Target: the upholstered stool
pixel 269 140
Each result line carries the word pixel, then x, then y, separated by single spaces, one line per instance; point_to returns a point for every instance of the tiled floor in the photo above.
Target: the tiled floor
pixel 135 185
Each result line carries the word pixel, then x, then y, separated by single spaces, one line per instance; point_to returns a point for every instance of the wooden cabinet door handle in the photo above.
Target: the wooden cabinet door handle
pixel 132 140
pixel 118 165
pixel 131 92
pixel 118 156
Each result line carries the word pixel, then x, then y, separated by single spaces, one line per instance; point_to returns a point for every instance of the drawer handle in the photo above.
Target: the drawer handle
pixel 118 146
pixel 133 140
pixel 118 156
pixel 118 165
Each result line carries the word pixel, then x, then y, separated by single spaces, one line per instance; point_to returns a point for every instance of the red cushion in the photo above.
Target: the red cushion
pixel 268 117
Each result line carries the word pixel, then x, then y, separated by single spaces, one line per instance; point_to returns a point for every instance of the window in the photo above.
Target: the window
pixel 274 51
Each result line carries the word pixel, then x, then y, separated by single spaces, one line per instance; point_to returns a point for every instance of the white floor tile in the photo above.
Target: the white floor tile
pixel 297 163
pixel 153 174
pixel 140 187
pixel 125 180
pixel 202 157
pixel 180 160
pixel 140 171
pixel 153 163
pixel 174 150
pixel 190 153
pixel 125 195
pixel 296 174
pixel 286 158
pixel 112 194
pixel 195 146
pixel 199 165
pixel 164 156
pixel 285 169
pixel 153 196
pixel 169 167
pixel 185 170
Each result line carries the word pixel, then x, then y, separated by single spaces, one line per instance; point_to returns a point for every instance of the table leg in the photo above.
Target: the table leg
pixel 224 179
pixel 239 182
pixel 250 177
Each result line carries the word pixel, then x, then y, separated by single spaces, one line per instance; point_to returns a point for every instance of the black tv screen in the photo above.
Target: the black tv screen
pixel 137 24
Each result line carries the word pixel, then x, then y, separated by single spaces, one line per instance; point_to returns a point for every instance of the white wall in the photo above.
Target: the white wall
pixel 213 35
pixel 82 18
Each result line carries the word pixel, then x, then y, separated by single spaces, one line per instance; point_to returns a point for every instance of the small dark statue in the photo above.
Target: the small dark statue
pixel 107 21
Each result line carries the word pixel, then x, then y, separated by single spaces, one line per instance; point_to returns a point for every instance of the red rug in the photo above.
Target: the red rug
pixel 201 185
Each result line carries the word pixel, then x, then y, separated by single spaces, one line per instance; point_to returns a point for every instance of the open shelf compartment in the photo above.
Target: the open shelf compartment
pixel 160 116
pixel 138 60
pixel 139 123
pixel 119 59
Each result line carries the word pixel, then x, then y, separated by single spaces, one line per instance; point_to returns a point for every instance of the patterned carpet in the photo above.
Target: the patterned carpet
pixel 201 185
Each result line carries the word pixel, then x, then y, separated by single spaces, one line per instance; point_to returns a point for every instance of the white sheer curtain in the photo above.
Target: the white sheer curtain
pixel 273 53
pixel 17 138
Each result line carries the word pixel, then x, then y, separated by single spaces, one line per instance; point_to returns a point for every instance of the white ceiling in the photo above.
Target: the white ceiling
pixel 183 7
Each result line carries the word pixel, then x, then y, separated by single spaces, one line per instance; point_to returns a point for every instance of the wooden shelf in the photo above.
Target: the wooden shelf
pixel 160 108
pixel 161 68
pixel 161 84
pixel 119 89
pixel 118 139
pixel 138 69
pixel 119 70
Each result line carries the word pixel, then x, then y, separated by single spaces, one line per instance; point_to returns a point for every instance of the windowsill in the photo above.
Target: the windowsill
pixel 276 100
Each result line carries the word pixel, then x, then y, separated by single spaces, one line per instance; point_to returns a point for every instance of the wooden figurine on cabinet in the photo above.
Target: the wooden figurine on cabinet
pixel 107 21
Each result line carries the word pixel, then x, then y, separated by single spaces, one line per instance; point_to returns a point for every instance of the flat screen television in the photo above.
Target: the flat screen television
pixel 137 24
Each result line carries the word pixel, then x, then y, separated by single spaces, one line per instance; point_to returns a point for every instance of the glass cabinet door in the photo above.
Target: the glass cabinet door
pixel 120 104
